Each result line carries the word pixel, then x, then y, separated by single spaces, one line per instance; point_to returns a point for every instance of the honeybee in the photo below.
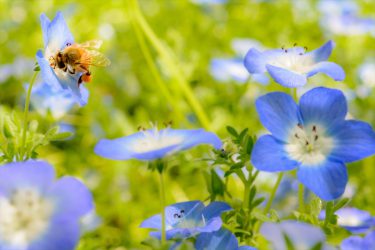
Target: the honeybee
pixel 77 58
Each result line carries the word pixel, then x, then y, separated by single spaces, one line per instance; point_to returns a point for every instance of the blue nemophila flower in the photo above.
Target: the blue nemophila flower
pixel 301 235
pixel 154 144
pixel 37 212
pixel 47 99
pixel 291 67
pixel 359 243
pixel 225 70
pixel 312 137
pixel 366 75
pixel 186 219
pixel 56 36
pixel 221 240
pixel 353 219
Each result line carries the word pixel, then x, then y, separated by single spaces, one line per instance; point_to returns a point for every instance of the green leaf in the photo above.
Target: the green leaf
pixel 52 132
pixel 341 203
pixel 232 131
pixel 317 246
pixel 218 187
pixel 288 242
pixel 61 136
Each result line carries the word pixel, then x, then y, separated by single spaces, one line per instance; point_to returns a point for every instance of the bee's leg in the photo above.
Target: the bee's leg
pixel 71 70
pixel 80 80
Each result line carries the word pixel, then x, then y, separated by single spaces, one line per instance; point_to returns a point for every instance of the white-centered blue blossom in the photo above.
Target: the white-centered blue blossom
pixel 353 219
pixel 312 137
pixel 301 235
pixel 291 67
pixel 154 144
pixel 46 99
pixel 56 36
pixel 187 219
pixel 38 212
pixel 366 75
pixel 228 69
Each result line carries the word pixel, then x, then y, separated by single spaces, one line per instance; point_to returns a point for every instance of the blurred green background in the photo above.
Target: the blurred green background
pixel 126 95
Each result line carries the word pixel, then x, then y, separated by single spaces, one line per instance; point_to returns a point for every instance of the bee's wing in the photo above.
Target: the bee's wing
pixel 93 44
pixel 96 58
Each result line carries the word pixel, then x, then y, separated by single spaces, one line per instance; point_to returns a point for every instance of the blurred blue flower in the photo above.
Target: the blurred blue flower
pixel 18 68
pixel 221 240
pixel 38 212
pixel 313 138
pixel 226 70
pixel 291 67
pixel 366 75
pixel 352 219
pixel 56 36
pixel 359 243
pixel 47 99
pixel 242 45
pixel 342 17
pixel 303 236
pixel 187 219
pixel 154 144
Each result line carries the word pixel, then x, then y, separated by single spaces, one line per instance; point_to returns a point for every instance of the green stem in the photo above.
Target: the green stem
pixel 301 198
pixel 25 115
pixel 162 203
pixel 273 193
pixel 246 194
pixel 153 69
pixel 172 65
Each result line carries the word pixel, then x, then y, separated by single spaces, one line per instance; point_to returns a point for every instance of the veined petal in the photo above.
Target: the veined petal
pixel 211 226
pixel 354 140
pixel 29 174
pixel 214 209
pixel 286 77
pixel 222 239
pixel 48 74
pixel 256 61
pixel 194 137
pixel 322 53
pixel 269 155
pixel 327 180
pixel 323 106
pixel 278 113
pixel 57 32
pixel 72 198
pixel 330 69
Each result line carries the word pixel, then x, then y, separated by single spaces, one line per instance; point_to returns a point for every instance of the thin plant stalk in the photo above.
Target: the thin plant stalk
pixel 26 114
pixel 273 193
pixel 162 203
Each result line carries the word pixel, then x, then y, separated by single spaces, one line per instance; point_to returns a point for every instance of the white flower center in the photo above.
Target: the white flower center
pixel 293 59
pixel 309 145
pixel 154 140
pixel 24 216
pixel 182 222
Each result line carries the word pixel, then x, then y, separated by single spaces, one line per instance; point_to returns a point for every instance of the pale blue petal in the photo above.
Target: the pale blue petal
pixel 269 155
pixel 211 226
pixel 353 243
pixel 322 53
pixel 62 234
pixel 330 69
pixel 194 137
pixel 301 234
pixel 323 106
pixel 260 78
pixel 58 34
pixel 327 180
pixel 256 61
pixel 278 113
pixel 286 77
pixel 354 140
pixel 220 240
pixel 48 74
pixel 214 209
pixel 45 22
pixel 29 174
pixel 72 198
